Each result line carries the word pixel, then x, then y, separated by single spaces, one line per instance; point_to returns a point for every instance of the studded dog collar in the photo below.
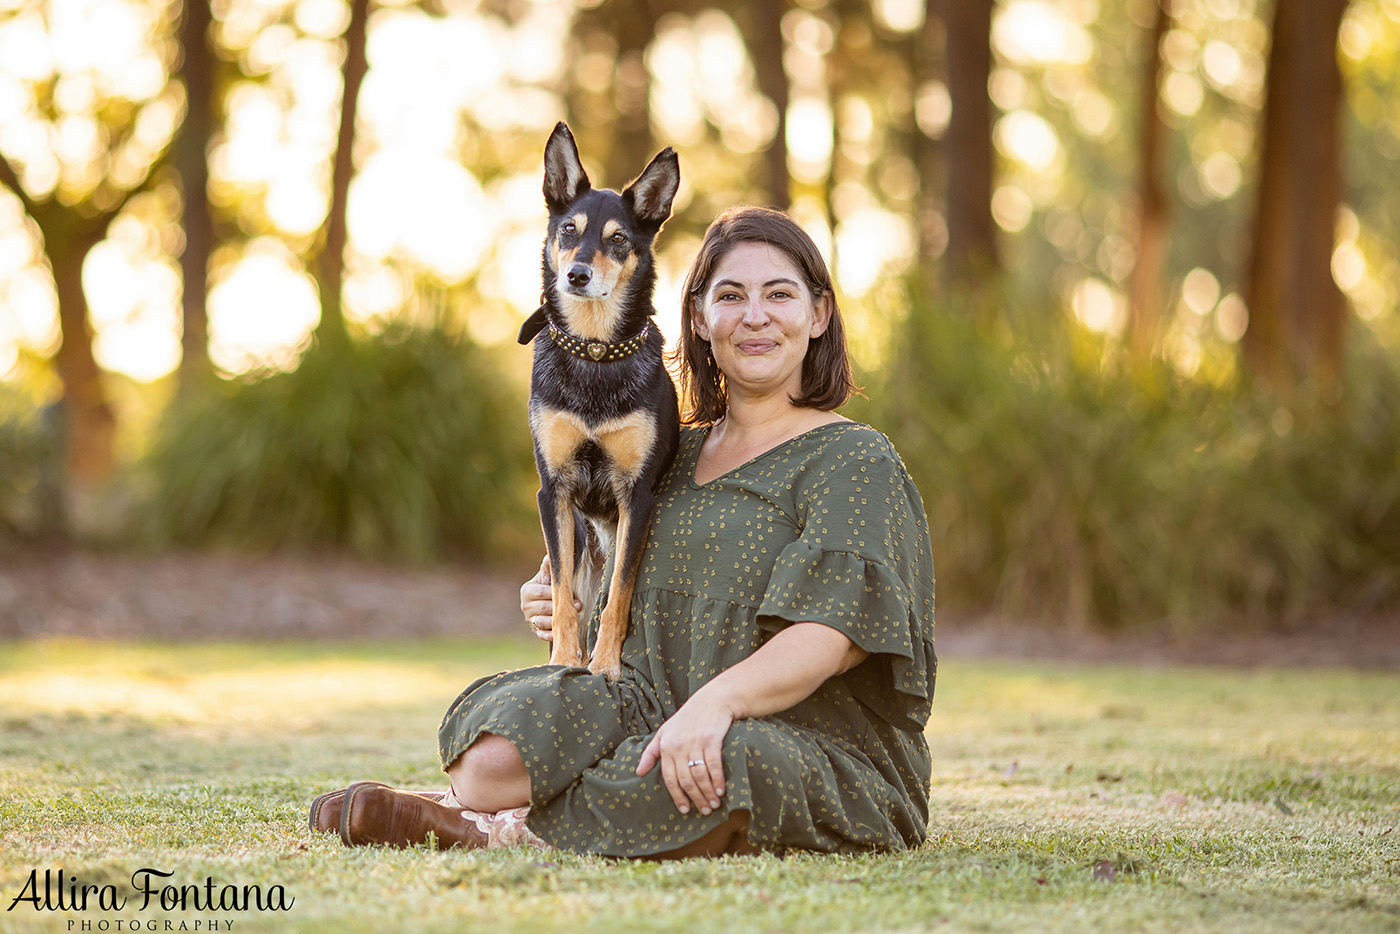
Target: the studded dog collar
pixel 598 351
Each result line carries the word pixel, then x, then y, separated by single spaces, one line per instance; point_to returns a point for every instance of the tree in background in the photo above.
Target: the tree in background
pixel 198 68
pixel 970 159
pixel 763 34
pixel 115 138
pixel 329 266
pixel 614 121
pixel 1149 269
pixel 925 53
pixel 631 146
pixel 1296 311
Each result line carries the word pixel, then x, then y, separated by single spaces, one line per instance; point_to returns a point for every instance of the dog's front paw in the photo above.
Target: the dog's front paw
pixel 613 670
pixel 559 655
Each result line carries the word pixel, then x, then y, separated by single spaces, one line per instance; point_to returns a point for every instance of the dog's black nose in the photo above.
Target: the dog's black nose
pixel 579 276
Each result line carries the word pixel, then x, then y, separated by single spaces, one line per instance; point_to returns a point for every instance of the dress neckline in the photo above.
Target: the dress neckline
pixel 694 461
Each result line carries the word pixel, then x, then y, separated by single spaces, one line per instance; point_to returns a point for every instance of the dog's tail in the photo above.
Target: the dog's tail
pixel 592 542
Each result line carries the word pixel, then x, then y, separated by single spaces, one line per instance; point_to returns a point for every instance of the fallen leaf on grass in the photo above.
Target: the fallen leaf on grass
pixel 1174 799
pixel 1104 871
pixel 1106 777
pixel 1278 803
pixel 1122 712
pixel 1011 770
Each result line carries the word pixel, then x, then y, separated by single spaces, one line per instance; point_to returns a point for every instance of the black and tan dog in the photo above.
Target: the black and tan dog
pixel 603 411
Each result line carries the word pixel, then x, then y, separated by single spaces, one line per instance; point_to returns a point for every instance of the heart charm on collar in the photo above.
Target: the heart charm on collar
pixel 599 351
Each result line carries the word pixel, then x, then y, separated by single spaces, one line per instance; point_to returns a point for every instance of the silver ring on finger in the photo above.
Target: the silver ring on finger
pixel 694 762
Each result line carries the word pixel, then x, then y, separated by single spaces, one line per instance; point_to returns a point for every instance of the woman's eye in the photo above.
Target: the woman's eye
pixel 780 295
pixel 728 297
pixel 618 238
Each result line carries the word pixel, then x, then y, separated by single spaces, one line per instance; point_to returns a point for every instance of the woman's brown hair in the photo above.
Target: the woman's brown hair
pixel 827 381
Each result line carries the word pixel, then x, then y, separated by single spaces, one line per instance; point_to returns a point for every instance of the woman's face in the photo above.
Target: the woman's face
pixel 759 315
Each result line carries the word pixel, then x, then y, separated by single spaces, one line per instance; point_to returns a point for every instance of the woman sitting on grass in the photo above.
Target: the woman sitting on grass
pixel 779 667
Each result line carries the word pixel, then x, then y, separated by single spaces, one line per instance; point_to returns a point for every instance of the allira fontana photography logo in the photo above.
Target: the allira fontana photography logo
pixel 150 890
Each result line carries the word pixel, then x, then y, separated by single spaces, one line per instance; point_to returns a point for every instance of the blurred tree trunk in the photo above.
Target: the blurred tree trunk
pixel 833 166
pixel 88 421
pixel 69 233
pixel 926 49
pixel 197 69
pixel 841 70
pixel 330 268
pixel 1296 311
pixel 1145 286
pixel 632 24
pixel 764 37
pixel 971 160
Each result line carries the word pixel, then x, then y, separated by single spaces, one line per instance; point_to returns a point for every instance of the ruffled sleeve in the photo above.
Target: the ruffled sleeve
pixel 862 564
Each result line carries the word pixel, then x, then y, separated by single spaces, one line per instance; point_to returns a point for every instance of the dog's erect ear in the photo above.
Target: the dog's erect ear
pixel 564 177
pixel 654 190
pixel 533 325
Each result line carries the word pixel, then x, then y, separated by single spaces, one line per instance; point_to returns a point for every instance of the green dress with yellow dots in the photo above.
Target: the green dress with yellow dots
pixel 826 527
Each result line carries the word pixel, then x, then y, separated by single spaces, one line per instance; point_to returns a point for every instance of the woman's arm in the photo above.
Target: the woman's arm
pixel 786 669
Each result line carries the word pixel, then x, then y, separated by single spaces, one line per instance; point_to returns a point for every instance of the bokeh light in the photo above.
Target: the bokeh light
pixel 446 193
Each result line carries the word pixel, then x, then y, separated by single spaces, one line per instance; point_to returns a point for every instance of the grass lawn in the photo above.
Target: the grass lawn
pixel 1064 798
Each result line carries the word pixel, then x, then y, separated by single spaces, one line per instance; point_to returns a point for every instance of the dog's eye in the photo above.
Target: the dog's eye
pixel 618 238
pixel 568 227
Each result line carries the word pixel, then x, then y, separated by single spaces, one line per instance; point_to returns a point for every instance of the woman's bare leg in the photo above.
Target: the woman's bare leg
pixel 490 776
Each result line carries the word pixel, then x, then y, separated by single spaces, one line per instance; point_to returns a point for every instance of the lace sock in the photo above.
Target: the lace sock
pixel 503 828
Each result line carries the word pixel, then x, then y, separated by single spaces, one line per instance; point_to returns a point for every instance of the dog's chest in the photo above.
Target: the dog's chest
pixel 596 391
pixel 571 445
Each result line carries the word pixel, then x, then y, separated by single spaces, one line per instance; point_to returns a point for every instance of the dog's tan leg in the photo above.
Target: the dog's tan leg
pixel 632 520
pixel 567 647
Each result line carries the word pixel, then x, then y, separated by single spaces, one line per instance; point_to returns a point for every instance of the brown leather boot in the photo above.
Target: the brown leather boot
pixel 376 815
pixel 325 809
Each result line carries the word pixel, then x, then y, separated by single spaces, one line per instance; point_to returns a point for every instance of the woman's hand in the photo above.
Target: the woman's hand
pixel 689 747
pixel 537 602
pixel 784 670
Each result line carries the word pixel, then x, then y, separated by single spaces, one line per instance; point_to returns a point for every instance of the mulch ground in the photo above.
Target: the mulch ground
pixel 191 597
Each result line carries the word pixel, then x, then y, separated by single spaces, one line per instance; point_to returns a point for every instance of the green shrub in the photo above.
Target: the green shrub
pixel 1059 486
pixel 28 461
pixel 403 445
